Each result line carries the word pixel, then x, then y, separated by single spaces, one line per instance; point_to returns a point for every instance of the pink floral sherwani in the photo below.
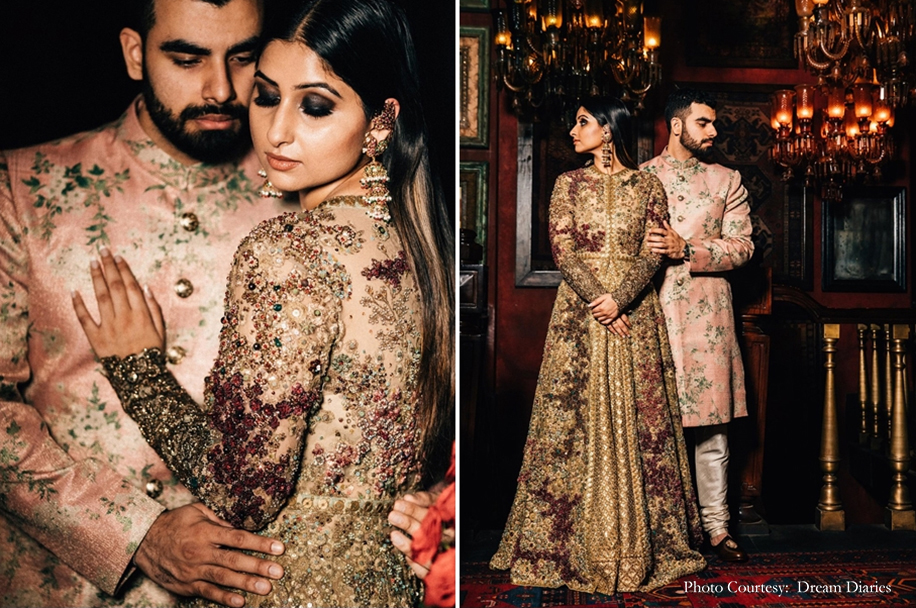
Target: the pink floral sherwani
pixel 708 208
pixel 79 487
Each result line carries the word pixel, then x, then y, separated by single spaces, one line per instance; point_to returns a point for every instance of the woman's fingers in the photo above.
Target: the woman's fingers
pixel 135 297
pixel 82 314
pixel 155 312
pixel 116 287
pixel 102 295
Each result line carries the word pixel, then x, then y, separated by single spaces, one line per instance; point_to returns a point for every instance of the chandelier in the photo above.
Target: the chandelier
pixel 840 129
pixel 551 53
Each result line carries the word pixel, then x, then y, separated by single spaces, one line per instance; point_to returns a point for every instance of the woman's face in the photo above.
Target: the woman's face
pixel 586 133
pixel 307 125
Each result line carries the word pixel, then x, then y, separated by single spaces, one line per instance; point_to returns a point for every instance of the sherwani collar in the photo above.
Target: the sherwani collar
pixel 163 167
pixel 679 165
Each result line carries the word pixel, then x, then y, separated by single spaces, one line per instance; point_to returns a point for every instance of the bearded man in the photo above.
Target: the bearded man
pixel 172 186
pixel 709 234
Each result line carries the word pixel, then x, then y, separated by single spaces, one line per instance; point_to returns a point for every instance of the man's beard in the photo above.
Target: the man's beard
pixel 696 147
pixel 208 146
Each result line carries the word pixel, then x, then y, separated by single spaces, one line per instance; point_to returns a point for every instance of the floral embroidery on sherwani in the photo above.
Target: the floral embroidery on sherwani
pixel 709 209
pixel 605 501
pixel 74 469
pixel 308 429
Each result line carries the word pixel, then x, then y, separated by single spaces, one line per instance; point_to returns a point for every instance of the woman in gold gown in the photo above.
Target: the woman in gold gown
pixel 605 501
pixel 333 379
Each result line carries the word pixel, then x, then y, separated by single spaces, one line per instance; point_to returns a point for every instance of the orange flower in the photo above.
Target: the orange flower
pixel 427 545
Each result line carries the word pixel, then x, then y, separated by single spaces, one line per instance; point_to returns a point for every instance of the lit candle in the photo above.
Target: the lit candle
pixel 861 96
pixel 852 126
pixel 804 105
pixel 836 102
pixel 503 37
pixel 652 32
pixel 783 101
pixel 882 106
pixel 594 13
pixel 552 14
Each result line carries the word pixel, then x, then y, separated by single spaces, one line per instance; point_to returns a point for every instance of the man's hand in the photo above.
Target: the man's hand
pixel 191 551
pixel 666 241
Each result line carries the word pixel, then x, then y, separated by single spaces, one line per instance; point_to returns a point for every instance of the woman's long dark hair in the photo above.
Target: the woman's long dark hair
pixel 612 112
pixel 368 45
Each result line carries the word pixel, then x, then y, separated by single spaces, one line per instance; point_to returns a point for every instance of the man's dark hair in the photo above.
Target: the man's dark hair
pixel 142 14
pixel 679 101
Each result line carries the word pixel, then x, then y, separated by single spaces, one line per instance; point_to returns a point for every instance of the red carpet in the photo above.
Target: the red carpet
pixel 842 579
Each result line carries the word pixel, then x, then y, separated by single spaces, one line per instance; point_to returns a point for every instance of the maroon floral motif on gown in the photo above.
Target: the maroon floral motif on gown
pixel 605 501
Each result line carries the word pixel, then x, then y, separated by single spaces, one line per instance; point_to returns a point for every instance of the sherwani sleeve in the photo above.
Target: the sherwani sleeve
pixel 82 511
pixel 734 247
pixel 562 230
pixel 240 454
pixel 647 263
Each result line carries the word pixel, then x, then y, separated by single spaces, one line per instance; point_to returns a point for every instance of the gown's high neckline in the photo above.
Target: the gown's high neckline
pixel 623 172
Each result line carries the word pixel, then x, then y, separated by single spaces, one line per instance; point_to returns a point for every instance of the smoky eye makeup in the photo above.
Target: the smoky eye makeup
pixel 316 105
pixel 265 97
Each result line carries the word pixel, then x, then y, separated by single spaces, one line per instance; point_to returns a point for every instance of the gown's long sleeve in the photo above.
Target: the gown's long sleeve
pixel 568 238
pixel 646 263
pixel 240 453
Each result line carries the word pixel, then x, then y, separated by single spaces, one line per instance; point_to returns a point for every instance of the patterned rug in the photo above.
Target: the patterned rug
pixel 841 579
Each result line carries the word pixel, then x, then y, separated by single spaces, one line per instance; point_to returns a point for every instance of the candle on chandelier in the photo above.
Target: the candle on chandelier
pixel 882 106
pixel 594 13
pixel 861 96
pixel 836 102
pixel 804 101
pixel 552 14
pixel 851 123
pixel 783 102
pixel 652 32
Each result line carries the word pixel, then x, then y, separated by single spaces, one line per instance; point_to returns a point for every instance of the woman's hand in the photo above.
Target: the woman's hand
pixel 130 318
pixel 604 309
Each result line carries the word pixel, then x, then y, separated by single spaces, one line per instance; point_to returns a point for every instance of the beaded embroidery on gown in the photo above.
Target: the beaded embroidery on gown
pixel 308 431
pixel 605 501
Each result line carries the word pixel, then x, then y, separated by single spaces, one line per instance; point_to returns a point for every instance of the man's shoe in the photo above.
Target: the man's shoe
pixel 729 551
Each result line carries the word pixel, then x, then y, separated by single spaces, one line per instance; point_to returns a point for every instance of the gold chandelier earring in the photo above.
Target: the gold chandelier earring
pixel 607 152
pixel 268 190
pixel 376 175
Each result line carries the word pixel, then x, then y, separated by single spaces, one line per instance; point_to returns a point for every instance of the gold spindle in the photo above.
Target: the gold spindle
pixel 888 379
pixel 899 514
pixel 875 387
pixel 863 384
pixel 829 514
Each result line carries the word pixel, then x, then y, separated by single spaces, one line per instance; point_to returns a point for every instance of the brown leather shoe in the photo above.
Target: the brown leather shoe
pixel 729 551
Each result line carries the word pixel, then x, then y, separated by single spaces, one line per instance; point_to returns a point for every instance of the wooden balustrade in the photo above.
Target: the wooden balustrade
pixel 830 514
pixel 899 514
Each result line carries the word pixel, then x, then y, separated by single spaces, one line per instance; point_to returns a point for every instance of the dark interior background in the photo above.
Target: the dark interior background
pixel 62 72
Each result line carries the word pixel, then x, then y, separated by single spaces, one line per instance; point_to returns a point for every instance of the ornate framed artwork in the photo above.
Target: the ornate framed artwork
pixel 472 179
pixel 757 34
pixel 473 102
pixel 864 245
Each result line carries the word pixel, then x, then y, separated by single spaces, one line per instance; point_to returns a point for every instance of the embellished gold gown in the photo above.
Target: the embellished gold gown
pixel 605 501
pixel 308 431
